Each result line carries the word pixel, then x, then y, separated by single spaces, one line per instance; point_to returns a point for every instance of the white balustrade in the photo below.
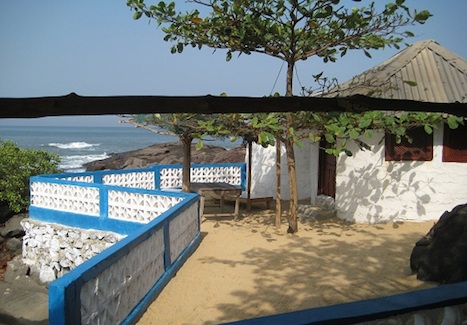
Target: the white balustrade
pixel 139 179
pixel 65 197
pixel 138 207
pixel 170 177
pixel 80 178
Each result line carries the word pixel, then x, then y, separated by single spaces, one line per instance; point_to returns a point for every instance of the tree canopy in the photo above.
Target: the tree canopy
pixel 289 30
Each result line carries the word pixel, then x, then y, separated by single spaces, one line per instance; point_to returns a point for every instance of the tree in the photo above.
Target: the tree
pixel 186 126
pixel 17 165
pixel 289 30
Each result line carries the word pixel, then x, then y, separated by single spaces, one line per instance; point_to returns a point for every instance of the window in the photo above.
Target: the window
pixel 455 144
pixel 421 148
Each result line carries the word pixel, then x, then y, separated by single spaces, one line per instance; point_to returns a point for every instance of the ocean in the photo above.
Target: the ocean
pixel 79 145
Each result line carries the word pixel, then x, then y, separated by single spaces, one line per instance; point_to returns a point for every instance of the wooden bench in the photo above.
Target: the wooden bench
pixel 250 201
pixel 221 191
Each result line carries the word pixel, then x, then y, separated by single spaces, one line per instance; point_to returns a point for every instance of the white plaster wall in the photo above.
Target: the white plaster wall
pixel 263 182
pixel 371 190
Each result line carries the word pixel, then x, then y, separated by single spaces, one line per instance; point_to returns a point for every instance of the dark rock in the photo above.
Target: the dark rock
pixel 12 227
pixel 441 255
pixel 22 299
pixel 14 244
pixel 5 212
pixel 13 233
pixel 167 153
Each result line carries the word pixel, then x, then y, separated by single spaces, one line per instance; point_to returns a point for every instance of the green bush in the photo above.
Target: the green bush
pixel 16 166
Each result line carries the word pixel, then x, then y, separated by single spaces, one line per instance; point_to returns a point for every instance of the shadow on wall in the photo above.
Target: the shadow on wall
pixel 382 191
pixel 263 173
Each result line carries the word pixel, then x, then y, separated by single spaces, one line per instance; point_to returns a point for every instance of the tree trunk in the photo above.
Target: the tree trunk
pixel 186 141
pixel 293 225
pixel 278 186
pixel 248 189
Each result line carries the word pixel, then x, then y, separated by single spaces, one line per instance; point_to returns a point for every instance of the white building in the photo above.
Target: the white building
pixel 392 182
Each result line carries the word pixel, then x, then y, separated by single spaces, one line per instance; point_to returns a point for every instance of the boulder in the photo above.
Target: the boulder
pixel 441 255
pixel 167 153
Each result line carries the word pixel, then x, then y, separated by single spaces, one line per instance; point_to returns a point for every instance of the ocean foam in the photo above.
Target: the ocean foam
pixel 74 145
pixel 75 163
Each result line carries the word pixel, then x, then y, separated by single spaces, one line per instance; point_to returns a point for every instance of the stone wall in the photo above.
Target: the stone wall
pixel 51 250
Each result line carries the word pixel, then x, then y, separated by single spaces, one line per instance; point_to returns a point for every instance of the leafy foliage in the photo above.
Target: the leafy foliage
pixel 338 129
pixel 290 31
pixel 17 165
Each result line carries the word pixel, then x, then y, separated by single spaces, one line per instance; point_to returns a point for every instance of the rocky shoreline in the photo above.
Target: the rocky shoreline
pixel 167 153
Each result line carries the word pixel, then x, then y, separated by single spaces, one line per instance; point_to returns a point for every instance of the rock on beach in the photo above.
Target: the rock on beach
pixel 167 153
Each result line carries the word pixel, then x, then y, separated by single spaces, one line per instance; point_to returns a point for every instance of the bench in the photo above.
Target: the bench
pixel 222 191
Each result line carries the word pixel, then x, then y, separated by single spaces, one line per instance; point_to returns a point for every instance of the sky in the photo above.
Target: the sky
pixel 95 48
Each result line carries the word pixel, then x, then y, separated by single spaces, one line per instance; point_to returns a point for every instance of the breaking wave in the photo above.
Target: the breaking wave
pixel 75 163
pixel 74 145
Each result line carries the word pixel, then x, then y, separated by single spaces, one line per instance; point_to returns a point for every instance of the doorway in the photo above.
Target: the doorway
pixel 327 172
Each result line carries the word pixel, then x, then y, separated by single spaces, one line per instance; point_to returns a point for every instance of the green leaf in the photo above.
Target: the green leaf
pixel 329 138
pixel 137 15
pixel 354 134
pixel 422 16
pixel 428 129
pixel 452 122
pixel 199 145
pixel 180 47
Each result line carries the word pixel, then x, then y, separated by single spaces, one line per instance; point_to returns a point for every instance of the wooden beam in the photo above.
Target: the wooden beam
pixel 74 104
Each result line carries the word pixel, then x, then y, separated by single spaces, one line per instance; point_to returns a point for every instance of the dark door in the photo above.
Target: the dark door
pixel 327 173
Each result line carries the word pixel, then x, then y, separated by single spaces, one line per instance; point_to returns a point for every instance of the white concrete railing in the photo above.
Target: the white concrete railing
pixel 162 177
pixel 117 285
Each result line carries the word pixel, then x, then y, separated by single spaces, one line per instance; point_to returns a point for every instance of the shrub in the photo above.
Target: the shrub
pixel 16 166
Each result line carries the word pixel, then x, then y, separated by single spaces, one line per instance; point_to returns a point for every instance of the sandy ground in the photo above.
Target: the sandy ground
pixel 246 268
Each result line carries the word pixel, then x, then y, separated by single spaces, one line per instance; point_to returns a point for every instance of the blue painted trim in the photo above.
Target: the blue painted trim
pixel 64 304
pixel 371 309
pixel 64 292
pixel 83 221
pixel 243 177
pixel 103 202
pixel 42 179
pixel 97 177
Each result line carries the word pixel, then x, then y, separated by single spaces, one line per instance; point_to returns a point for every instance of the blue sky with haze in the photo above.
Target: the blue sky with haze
pixel 95 48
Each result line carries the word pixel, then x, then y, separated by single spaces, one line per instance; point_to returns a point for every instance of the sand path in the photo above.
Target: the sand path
pixel 247 268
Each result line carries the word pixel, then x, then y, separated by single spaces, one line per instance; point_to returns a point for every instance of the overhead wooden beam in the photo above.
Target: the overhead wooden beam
pixel 74 104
